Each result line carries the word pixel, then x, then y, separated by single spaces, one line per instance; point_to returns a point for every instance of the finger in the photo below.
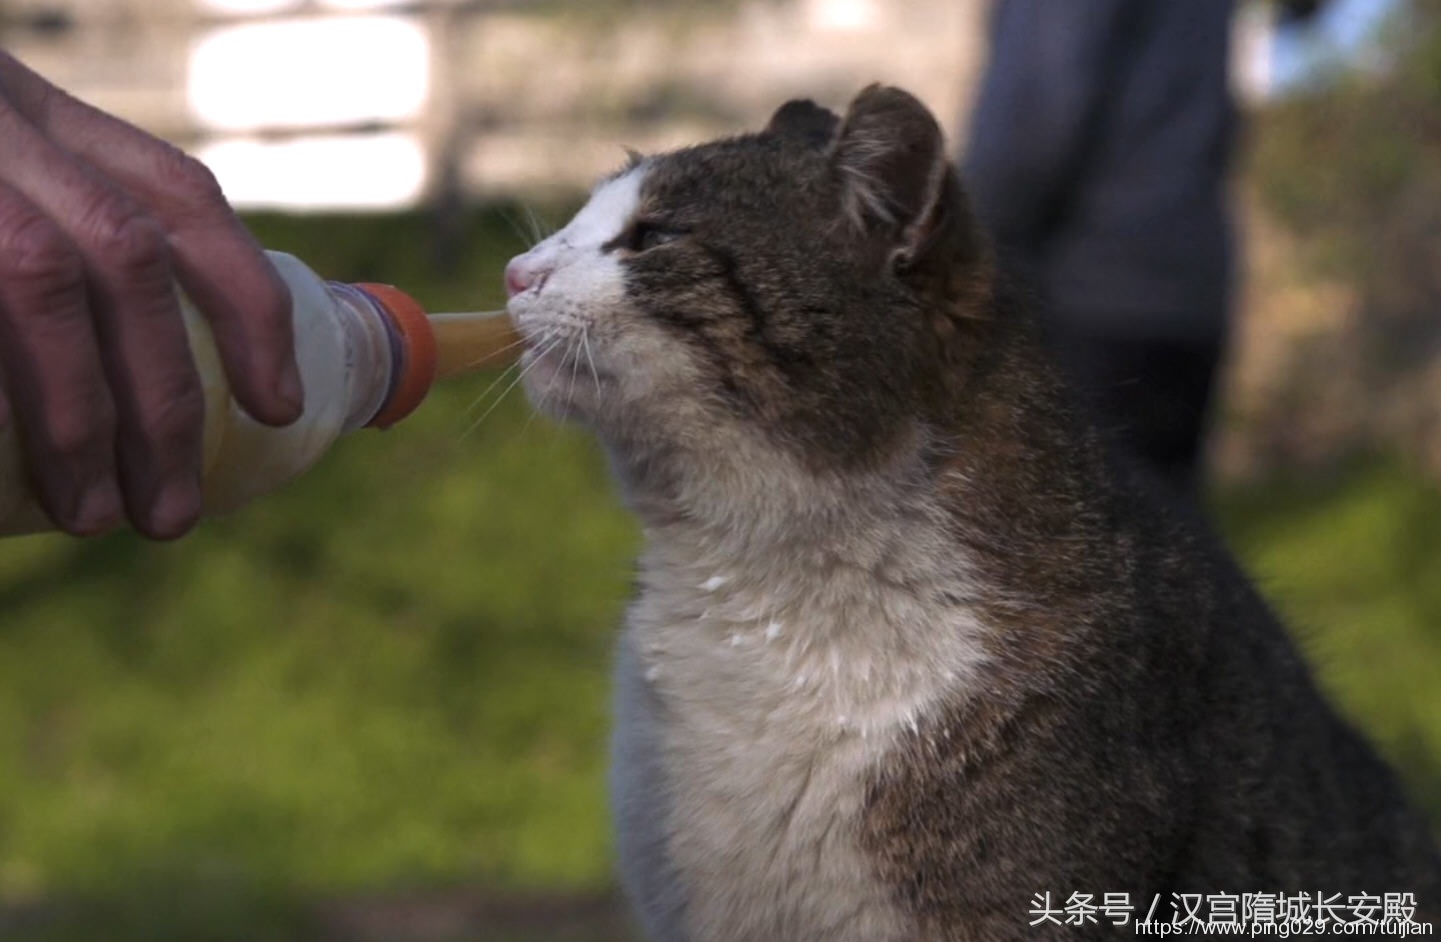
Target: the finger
pixel 54 380
pixel 214 256
pixel 160 406
pixel 143 345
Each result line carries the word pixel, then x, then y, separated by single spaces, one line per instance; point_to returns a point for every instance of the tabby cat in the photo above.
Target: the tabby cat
pixel 911 653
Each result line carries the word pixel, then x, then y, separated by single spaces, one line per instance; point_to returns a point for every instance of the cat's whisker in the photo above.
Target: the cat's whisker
pixel 502 377
pixel 594 373
pixel 519 376
pixel 505 373
pixel 493 354
pixel 524 234
pixel 573 351
pixel 538 229
pixel 544 400
pixel 545 396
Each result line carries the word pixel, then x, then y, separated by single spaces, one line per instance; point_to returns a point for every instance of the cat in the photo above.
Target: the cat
pixel 911 653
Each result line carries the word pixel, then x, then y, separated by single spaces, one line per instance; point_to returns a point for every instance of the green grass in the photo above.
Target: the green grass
pixel 393 674
pixel 1353 561
pixel 393 671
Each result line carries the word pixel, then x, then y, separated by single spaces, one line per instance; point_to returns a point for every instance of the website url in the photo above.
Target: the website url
pixel 1283 929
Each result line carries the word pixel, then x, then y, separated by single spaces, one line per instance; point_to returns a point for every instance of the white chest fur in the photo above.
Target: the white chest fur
pixel 753 703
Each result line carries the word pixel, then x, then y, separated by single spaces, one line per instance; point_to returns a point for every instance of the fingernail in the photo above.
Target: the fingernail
pixel 289 390
pixel 175 508
pixel 98 509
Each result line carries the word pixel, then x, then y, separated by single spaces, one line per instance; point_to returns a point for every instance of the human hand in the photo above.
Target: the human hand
pixel 98 221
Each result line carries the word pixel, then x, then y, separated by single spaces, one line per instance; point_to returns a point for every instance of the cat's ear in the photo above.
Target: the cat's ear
pixel 806 121
pixel 891 158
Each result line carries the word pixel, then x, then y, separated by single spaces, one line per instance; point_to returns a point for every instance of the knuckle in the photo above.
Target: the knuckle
pixel 173 416
pixel 125 237
pixel 189 182
pixel 81 431
pixel 34 250
pixel 40 99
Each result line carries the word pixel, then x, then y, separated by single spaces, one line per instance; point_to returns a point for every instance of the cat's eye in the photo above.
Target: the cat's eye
pixel 645 235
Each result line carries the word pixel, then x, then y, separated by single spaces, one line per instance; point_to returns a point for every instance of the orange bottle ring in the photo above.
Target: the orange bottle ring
pixel 419 355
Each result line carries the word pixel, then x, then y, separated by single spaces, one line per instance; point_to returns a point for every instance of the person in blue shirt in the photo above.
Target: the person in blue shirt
pixel 1099 156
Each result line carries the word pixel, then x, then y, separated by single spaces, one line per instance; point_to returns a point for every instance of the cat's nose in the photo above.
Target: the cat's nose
pixel 523 274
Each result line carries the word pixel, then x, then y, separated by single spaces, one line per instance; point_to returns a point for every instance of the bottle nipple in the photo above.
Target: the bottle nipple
pixel 474 340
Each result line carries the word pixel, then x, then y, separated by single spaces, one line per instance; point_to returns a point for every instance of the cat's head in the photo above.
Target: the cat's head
pixel 793 295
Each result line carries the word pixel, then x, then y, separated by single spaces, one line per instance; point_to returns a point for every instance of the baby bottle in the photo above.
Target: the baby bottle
pixel 367 355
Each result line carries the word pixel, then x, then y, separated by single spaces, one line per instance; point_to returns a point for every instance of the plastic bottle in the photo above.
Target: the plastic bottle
pixel 367 355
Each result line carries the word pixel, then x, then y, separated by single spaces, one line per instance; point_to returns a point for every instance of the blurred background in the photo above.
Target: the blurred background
pixel 374 706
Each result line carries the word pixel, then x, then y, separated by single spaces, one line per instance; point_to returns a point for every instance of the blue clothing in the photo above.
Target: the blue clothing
pixel 1098 158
